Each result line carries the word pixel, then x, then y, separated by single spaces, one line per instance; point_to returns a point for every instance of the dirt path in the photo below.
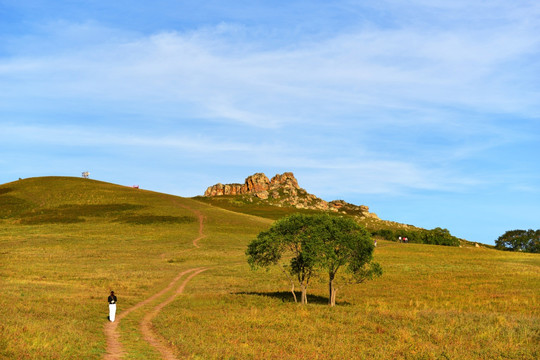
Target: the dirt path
pixel 115 349
pixel 114 346
pixel 200 216
pixel 154 339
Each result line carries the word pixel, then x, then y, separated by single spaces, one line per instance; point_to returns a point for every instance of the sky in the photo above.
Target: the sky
pixel 426 111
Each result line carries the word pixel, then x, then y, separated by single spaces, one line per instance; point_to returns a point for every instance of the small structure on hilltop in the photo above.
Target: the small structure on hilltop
pixel 86 174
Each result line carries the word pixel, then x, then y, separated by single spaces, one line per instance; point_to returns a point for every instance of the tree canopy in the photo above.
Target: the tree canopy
pixel 287 236
pixel 316 243
pixel 519 240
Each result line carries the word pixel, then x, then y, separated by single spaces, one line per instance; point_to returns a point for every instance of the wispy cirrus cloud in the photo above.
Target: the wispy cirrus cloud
pixel 74 136
pixel 344 74
pixel 410 95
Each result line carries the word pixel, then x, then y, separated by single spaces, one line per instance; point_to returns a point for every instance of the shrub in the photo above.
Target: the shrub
pixel 437 236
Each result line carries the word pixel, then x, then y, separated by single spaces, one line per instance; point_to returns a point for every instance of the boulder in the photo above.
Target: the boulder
pixel 286 180
pixel 256 183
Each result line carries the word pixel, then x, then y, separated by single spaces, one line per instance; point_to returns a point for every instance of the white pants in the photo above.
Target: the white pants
pixel 112 311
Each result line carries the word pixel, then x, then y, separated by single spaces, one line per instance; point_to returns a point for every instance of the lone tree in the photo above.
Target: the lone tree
pixel 317 242
pixel 342 242
pixel 287 237
pixel 519 240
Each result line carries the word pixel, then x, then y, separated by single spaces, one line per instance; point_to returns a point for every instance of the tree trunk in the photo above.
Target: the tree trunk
pixel 334 297
pixel 332 291
pixel 293 294
pixel 292 285
pixel 304 293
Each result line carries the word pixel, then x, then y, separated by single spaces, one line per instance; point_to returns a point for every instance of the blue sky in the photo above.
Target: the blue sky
pixel 426 111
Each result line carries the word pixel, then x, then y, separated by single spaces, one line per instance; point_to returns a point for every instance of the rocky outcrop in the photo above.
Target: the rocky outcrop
pixel 253 184
pixel 256 183
pixel 283 190
pixel 220 189
pixel 285 180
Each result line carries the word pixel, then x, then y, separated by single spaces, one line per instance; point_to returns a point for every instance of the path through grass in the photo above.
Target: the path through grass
pixel 431 303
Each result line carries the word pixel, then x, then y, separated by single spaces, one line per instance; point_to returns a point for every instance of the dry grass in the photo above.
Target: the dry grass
pixel 432 302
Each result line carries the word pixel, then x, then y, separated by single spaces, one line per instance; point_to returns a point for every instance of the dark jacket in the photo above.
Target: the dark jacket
pixel 112 299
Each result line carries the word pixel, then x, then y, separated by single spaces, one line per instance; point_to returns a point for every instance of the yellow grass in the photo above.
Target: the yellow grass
pixel 432 302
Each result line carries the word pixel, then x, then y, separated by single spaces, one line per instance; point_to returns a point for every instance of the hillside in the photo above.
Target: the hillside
pixel 283 190
pixel 281 196
pixel 179 270
pixel 66 242
pixel 64 200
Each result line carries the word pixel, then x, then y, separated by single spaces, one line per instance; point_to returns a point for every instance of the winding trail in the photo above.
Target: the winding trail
pixel 200 216
pixel 153 339
pixel 115 350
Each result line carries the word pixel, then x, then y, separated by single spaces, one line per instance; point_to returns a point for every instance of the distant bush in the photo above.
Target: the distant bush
pixel 519 240
pixel 386 234
pixel 437 236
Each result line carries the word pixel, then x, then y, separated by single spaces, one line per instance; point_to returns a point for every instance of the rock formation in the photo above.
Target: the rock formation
pixel 283 190
pixel 253 184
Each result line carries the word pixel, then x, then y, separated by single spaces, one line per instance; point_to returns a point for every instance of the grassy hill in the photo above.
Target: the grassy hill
pixel 380 229
pixel 66 242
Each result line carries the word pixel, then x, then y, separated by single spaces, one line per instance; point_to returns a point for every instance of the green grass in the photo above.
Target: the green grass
pixel 252 206
pixel 432 302
pixel 247 204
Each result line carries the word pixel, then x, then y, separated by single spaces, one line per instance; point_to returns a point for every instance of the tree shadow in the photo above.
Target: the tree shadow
pixel 287 297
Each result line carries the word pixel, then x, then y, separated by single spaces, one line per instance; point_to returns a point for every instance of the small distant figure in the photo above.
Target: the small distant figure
pixel 86 174
pixel 135 186
pixel 375 242
pixel 112 306
pixel 399 239
pixel 405 240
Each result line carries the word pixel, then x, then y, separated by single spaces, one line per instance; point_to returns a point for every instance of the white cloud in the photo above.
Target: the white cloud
pixel 367 68
pixel 111 138
pixel 390 90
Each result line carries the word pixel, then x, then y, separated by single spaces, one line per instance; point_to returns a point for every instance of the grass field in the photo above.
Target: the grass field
pixel 66 242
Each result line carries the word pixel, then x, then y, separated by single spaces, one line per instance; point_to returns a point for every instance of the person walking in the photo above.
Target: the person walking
pixel 112 306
